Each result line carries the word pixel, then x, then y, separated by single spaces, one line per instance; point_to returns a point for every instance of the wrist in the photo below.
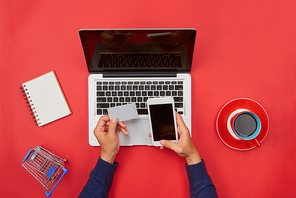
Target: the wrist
pixel 108 158
pixel 191 161
pixel 194 158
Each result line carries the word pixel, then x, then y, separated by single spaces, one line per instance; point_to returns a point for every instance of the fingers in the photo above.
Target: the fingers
pixel 122 127
pixel 112 126
pixel 103 121
pixel 179 120
pixel 121 124
pixel 170 145
pixel 101 125
pixel 123 130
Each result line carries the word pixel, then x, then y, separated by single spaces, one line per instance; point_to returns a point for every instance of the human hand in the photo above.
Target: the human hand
pixel 184 147
pixel 107 137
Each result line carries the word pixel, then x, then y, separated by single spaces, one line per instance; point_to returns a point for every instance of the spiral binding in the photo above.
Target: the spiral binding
pixel 30 105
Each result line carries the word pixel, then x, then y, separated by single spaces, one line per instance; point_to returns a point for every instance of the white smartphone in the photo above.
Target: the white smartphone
pixel 162 120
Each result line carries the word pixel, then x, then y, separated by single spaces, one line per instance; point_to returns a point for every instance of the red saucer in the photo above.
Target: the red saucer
pixel 227 109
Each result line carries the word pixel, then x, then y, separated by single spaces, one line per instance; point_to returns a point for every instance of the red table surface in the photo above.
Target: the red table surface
pixel 243 49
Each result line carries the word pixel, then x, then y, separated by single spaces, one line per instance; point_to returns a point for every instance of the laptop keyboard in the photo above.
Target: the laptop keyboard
pixel 115 93
pixel 140 60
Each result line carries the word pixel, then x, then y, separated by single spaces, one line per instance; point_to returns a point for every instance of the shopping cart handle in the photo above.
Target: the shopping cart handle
pixel 49 193
pixel 27 156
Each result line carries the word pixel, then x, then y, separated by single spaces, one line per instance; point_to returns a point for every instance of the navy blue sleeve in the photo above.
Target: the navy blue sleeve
pixel 200 182
pixel 100 180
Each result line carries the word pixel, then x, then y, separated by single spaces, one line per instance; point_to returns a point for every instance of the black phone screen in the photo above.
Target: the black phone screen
pixel 162 121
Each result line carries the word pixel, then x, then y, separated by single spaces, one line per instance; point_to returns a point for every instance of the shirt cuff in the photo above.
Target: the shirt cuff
pixel 102 164
pixel 100 180
pixel 198 170
pixel 200 182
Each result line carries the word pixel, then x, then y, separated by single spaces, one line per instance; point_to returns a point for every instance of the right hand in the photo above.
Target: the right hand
pixel 184 147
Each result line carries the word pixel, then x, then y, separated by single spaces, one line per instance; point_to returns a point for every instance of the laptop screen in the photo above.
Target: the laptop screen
pixel 134 50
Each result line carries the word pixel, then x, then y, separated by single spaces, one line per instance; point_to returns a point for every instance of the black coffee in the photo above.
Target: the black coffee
pixel 245 124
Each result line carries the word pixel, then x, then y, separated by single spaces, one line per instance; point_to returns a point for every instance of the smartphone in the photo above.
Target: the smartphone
pixel 162 120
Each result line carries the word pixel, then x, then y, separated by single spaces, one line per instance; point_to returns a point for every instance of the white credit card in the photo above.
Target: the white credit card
pixel 123 112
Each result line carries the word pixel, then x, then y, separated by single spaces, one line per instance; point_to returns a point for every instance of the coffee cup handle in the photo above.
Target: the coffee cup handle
pixel 256 142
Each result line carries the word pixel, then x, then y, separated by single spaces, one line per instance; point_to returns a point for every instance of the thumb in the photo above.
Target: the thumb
pixel 112 125
pixel 170 145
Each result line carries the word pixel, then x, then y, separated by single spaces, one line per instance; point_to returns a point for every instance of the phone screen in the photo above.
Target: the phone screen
pixel 162 121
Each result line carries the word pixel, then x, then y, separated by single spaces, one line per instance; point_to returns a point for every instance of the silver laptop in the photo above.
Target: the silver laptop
pixel 132 65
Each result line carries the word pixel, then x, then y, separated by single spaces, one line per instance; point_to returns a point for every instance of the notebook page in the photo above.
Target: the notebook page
pixel 46 98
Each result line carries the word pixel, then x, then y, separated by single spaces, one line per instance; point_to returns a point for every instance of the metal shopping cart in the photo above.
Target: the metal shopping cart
pixel 46 167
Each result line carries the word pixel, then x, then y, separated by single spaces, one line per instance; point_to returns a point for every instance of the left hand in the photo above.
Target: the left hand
pixel 107 137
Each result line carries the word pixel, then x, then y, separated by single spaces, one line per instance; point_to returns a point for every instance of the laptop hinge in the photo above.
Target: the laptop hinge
pixel 135 75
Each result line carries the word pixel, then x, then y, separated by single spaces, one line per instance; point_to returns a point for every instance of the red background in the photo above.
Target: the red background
pixel 243 49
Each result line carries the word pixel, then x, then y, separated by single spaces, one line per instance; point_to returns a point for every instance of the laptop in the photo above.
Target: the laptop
pixel 132 65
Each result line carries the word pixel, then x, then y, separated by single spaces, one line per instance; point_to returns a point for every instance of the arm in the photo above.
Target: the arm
pixel 199 181
pixel 100 180
pixel 101 177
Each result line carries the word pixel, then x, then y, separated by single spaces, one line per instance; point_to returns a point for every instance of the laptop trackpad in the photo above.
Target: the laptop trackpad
pixel 138 133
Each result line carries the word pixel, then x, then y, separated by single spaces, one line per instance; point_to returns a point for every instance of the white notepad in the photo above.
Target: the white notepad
pixel 46 98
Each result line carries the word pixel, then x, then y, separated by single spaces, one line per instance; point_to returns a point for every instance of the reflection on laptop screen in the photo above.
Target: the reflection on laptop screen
pixel 138 50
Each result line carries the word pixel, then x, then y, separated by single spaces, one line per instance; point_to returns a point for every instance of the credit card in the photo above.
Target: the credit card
pixel 123 112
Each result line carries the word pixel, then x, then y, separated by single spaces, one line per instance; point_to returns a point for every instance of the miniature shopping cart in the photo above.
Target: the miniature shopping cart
pixel 46 167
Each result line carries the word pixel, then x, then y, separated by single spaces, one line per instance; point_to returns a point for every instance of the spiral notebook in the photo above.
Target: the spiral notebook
pixel 45 98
